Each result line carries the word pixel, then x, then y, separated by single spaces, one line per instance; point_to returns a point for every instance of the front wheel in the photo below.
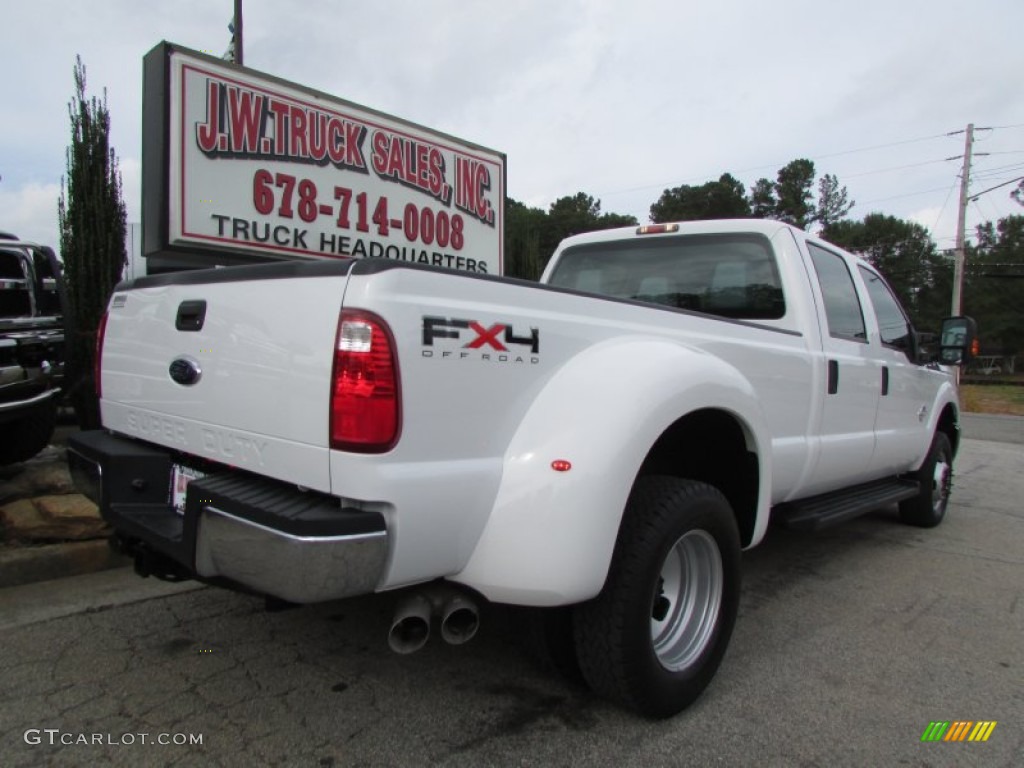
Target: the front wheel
pixel 927 509
pixel 654 637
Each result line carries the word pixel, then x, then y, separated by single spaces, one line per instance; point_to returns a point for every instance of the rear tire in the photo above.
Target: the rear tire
pixel 27 436
pixel 655 635
pixel 927 509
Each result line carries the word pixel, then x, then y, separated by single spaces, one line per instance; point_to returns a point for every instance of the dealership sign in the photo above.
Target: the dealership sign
pixel 239 166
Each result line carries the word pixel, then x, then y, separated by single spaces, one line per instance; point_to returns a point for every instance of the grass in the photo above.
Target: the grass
pixel 992 398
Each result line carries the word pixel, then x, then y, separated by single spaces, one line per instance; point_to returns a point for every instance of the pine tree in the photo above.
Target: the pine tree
pixel 833 201
pixel 92 239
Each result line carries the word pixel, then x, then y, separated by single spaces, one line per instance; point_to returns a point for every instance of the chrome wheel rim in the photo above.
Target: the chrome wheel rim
pixel 687 599
pixel 942 480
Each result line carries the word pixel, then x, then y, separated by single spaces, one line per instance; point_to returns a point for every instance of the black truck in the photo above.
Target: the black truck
pixel 32 349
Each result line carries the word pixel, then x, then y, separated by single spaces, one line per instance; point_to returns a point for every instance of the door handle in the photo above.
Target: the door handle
pixel 885 380
pixel 833 376
pixel 191 315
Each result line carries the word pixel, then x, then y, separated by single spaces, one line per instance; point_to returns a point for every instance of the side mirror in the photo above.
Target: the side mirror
pixel 959 341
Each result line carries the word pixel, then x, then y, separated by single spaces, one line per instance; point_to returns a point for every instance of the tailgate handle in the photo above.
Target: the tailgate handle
pixel 191 315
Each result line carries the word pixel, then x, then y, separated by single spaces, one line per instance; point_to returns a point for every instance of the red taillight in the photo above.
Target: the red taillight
pixel 365 399
pixel 97 367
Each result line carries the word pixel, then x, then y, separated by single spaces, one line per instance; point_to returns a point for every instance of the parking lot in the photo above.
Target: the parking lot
pixel 849 643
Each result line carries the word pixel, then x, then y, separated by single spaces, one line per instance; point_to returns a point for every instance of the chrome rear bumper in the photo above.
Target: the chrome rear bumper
pixel 300 569
pixel 237 529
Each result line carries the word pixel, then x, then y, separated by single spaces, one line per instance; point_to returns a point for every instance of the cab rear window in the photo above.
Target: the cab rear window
pixel 730 275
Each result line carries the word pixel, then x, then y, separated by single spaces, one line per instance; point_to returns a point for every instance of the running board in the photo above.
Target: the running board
pixel 830 509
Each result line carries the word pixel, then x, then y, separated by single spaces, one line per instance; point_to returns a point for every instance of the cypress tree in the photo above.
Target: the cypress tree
pixel 92 239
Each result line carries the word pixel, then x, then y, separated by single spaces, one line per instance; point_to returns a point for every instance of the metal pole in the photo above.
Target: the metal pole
pixel 965 176
pixel 238 33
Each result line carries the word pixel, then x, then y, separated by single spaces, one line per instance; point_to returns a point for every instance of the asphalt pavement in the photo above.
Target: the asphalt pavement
pixel 991 426
pixel 850 643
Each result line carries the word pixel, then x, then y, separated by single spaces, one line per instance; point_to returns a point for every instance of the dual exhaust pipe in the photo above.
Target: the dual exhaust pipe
pixel 458 615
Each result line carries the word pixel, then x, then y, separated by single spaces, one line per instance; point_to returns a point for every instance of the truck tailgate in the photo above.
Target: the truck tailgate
pixel 263 353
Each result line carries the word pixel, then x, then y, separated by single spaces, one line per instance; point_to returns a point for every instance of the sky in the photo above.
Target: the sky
pixel 616 99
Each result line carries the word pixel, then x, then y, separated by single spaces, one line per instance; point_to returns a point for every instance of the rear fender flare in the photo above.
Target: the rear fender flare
pixel 550 534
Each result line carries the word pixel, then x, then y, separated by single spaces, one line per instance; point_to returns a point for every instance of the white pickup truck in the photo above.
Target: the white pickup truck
pixel 609 440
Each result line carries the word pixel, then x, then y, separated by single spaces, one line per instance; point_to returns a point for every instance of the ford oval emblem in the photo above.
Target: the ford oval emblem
pixel 185 371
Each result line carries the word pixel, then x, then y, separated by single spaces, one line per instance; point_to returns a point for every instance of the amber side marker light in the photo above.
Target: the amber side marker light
pixel 657 229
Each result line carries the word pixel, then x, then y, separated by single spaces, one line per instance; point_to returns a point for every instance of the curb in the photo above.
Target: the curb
pixel 993 427
pixel 26 565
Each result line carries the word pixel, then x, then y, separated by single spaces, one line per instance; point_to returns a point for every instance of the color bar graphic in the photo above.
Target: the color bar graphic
pixel 982 731
pixel 958 730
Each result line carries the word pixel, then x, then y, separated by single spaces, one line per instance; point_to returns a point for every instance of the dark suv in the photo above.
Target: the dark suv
pixel 31 347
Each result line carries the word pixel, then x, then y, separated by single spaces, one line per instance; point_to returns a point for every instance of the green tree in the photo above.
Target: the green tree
pixel 531 234
pixel 994 285
pixel 523 227
pixel 614 220
pixel 722 199
pixel 794 195
pixel 833 204
pixel 92 238
pixel 762 199
pixel 790 197
pixel 572 215
pixel 905 254
pixel 1018 193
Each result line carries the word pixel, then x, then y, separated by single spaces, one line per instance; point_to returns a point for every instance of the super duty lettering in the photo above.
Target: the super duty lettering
pixel 680 386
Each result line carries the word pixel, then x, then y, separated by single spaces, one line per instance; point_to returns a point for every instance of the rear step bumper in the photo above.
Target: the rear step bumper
pixel 259 534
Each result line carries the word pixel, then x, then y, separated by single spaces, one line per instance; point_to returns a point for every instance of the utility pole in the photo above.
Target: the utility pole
pixel 238 33
pixel 961 224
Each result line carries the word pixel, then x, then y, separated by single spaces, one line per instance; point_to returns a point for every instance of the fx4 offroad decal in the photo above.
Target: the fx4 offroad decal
pixel 492 342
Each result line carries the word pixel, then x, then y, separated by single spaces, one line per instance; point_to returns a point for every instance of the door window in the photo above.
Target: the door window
pixel 842 306
pixel 892 321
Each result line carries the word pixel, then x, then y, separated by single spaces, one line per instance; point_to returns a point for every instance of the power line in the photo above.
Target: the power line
pixel 669 184
pixel 1015 164
pixel 1001 171
pixel 881 146
pixel 896 197
pixel 977 207
pixel 981 174
pixel 892 168
pixel 907 247
pixel 997 186
pixel 942 210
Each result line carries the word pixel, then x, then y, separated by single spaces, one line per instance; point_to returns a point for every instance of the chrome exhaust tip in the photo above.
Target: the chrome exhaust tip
pixel 460 620
pixel 410 628
pixel 457 612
